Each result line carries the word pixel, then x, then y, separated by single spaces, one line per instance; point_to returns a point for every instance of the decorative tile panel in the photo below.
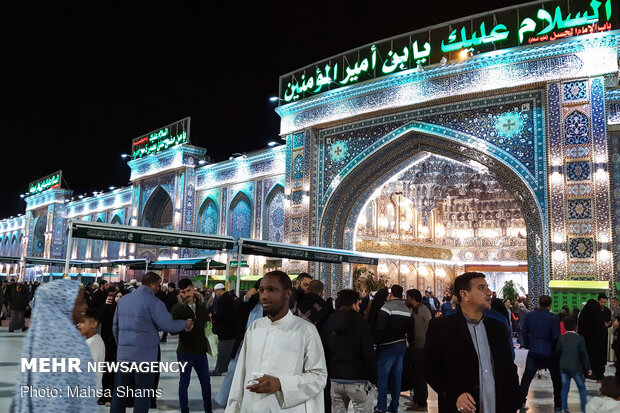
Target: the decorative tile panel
pixel 578 171
pixel 577 128
pixel 575 91
pixel 296 197
pixel 296 225
pixel 579 208
pixel 581 247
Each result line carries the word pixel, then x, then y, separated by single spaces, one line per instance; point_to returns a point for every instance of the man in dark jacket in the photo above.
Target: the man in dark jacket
pixel 349 355
pixel 20 296
pixel 540 335
pixel 98 297
pixel 468 361
pixel 312 307
pixel 224 321
pixel 394 323
pixel 301 286
pixel 192 346
pixel 170 299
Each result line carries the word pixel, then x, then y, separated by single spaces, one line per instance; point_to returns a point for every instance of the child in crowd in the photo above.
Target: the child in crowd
pixel 88 328
pixel 609 400
pixel 573 362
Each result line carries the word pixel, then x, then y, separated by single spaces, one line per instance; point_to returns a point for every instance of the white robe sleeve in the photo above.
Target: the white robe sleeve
pixel 237 388
pixel 308 385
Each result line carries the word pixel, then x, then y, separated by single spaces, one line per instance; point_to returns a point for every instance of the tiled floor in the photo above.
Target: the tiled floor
pixel 540 396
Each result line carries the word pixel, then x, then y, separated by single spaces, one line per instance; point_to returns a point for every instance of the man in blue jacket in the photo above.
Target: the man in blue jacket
pixel 540 335
pixel 137 319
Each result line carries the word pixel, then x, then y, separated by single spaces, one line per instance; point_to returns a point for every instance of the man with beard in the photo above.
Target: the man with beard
pixel 98 297
pixel 301 287
pixel 281 366
pixel 192 344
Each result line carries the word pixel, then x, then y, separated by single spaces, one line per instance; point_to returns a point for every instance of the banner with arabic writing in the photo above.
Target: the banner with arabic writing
pixel 171 135
pixel 545 21
pixel 51 181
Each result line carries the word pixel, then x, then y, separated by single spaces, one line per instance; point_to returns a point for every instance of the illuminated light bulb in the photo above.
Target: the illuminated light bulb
pixel 601 174
pixel 604 238
pixel 558 255
pixel 556 178
pixel 558 238
pixel 440 272
pixel 604 255
pixel 463 54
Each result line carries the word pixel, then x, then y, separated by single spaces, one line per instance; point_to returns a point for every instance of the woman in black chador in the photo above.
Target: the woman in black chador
pixel 592 328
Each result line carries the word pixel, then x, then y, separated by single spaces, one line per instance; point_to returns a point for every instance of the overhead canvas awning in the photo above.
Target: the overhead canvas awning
pixel 7 259
pixel 183 263
pixel 301 252
pixel 150 236
pixel 60 262
pixel 129 262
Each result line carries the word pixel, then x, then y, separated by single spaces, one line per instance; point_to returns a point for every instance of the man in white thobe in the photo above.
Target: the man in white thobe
pixel 281 366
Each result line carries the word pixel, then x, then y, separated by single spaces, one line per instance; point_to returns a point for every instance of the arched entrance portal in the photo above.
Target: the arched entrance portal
pixel 450 216
pixel 357 187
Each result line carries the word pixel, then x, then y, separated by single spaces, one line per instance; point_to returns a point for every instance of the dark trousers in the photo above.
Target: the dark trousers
pixel 224 350
pixel 200 363
pixel 143 382
pixel 389 370
pixel 535 362
pixel 420 387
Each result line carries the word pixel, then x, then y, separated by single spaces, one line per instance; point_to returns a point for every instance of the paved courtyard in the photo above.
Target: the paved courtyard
pixel 540 396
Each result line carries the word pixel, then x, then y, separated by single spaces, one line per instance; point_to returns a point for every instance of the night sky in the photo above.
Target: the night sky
pixel 80 79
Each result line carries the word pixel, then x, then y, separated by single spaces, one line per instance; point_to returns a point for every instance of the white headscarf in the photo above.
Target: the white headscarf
pixel 53 334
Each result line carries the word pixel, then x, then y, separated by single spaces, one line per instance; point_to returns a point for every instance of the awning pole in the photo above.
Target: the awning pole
pixel 240 243
pixel 207 277
pixel 146 265
pixel 69 248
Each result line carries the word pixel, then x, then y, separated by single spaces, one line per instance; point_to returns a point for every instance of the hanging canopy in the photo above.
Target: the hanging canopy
pixel 129 262
pixel 183 263
pixel 60 262
pixel 7 259
pixel 302 252
pixel 150 236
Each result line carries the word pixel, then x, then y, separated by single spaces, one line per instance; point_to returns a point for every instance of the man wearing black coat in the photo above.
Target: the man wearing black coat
pixel 468 361
pixel 349 355
pixel 223 315
pixel 312 307
pixel 170 299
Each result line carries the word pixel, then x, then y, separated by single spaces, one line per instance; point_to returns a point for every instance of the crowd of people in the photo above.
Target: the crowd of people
pixel 286 347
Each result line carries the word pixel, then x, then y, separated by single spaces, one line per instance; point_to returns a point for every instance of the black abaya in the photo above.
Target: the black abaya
pixel 592 328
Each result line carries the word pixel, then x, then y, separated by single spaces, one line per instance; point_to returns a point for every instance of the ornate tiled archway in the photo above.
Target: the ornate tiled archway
pixel 410 142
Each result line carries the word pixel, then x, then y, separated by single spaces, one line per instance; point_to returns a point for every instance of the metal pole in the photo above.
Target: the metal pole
pixel 68 252
pixel 239 266
pixel 207 276
pixel 146 265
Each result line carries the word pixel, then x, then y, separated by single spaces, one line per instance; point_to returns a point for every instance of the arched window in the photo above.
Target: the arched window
pixel 82 244
pixel 14 246
pixel 5 246
pixel 97 246
pixel 240 217
pixel 158 211
pixel 298 167
pixel 209 214
pixel 38 239
pixel 274 215
pixel 114 247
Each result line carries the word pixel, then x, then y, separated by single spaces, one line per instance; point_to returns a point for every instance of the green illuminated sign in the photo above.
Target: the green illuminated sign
pixel 234 263
pixel 43 184
pixel 158 140
pixel 545 21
